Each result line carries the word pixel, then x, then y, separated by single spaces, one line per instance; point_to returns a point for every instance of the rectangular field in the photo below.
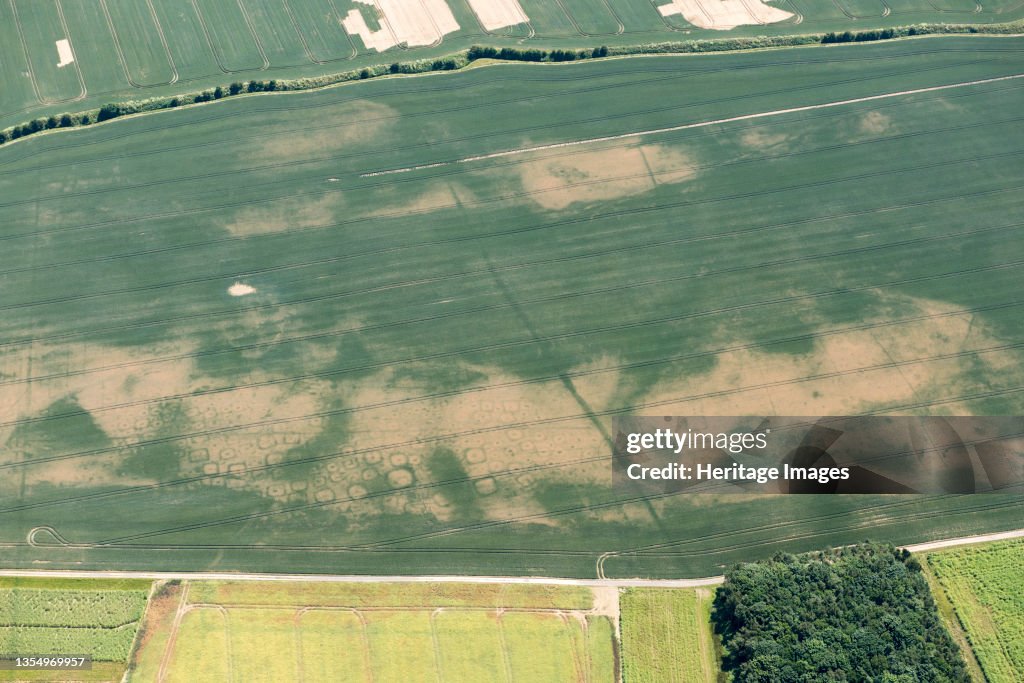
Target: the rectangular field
pixel 134 25
pixel 390 335
pixel 43 617
pixel 372 639
pixel 983 584
pixel 42 27
pixel 320 24
pixel 667 636
pixel 232 35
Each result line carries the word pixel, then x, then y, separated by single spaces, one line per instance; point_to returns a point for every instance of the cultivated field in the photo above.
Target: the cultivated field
pixel 383 632
pixel 75 55
pixel 96 618
pixel 236 336
pixel 667 636
pixel 983 583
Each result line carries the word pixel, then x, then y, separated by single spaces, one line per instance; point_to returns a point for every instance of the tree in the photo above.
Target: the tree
pixel 66 121
pixel 218 93
pixel 235 88
pixel 860 613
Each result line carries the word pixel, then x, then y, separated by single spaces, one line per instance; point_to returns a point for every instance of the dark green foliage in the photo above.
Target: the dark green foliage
pixel 395 68
pixel 861 613
pixel 507 53
pixel 235 88
pixel 600 51
pixel 66 121
pixel 444 65
pixel 364 74
pixel 218 92
pixel 863 36
pixel 52 122
pixel 3 137
pixel 562 55
pixel 107 112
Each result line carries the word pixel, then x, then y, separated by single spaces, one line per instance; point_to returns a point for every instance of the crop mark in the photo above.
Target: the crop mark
pixel 533 423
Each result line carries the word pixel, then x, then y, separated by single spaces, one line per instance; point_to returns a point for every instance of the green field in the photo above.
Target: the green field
pixel 384 632
pixel 667 636
pixel 42 617
pixel 126 50
pixel 418 371
pixel 983 584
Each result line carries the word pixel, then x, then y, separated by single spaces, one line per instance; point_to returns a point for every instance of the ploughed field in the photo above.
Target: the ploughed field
pixel 366 329
pixel 75 55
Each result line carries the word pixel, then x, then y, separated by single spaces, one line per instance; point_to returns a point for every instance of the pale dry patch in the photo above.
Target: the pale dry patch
pixel 874 122
pixel 431 200
pixel 722 15
pixel 761 139
pixel 878 383
pixel 495 14
pixel 285 215
pixel 601 175
pixel 126 402
pixel 667 164
pixel 365 121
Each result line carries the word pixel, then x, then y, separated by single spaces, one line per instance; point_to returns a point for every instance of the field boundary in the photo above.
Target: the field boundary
pixel 478 56
pixel 450 578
